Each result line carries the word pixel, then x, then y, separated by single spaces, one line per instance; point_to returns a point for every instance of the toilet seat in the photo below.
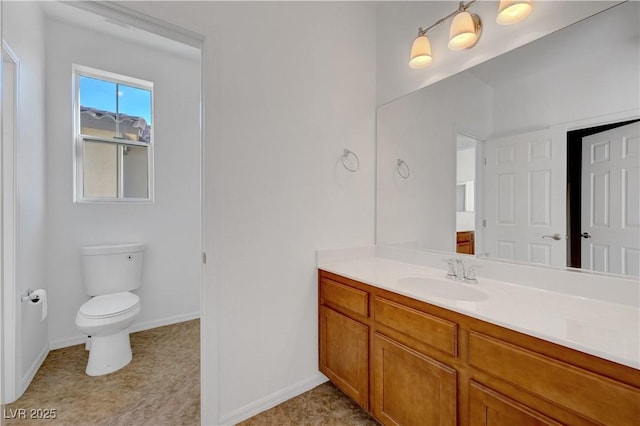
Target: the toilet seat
pixel 109 305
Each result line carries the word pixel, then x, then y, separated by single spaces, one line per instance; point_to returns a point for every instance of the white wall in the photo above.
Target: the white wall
pixel 170 227
pixel 22 30
pixel 466 164
pixel 288 86
pixel 397 27
pixel 420 128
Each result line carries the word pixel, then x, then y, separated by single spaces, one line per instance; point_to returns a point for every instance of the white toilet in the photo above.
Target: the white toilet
pixel 110 273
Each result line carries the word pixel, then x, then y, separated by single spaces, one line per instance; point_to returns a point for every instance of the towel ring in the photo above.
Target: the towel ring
pixel 401 166
pixel 345 154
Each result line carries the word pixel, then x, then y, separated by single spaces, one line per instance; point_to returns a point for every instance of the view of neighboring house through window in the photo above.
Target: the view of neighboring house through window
pixel 114 136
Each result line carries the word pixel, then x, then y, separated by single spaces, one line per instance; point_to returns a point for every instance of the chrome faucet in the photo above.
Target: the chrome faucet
pixel 458 272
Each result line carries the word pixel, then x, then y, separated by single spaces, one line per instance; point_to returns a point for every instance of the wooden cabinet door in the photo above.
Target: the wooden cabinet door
pixel 344 354
pixel 410 388
pixel 489 408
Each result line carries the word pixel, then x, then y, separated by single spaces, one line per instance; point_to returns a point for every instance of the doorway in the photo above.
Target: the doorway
pixel 587 216
pixel 61 260
pixel 466 227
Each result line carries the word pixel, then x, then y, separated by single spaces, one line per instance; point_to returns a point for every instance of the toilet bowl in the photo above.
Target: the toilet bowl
pixel 106 319
pixel 110 274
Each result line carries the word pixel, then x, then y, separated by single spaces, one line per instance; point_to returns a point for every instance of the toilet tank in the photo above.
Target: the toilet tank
pixel 111 268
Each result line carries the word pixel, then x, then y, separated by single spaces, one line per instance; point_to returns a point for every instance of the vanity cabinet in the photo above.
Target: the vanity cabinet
pixel 490 408
pixel 410 388
pixel 408 362
pixel 465 243
pixel 595 396
pixel 344 339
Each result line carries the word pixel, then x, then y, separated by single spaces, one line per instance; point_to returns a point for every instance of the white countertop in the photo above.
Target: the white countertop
pixel 604 329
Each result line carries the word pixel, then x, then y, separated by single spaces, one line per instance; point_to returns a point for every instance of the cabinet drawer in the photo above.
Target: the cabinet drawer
pixel 416 329
pixel 490 408
pixel 343 297
pixel 596 397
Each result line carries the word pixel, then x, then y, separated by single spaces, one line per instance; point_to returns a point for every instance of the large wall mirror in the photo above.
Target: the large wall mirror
pixel 533 156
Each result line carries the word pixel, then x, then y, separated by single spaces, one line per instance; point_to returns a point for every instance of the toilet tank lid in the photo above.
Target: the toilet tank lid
pixel 111 249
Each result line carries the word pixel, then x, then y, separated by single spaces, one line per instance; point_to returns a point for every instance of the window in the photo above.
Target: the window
pixel 113 137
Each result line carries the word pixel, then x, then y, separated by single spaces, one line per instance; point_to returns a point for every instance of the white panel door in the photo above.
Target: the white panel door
pixel 611 201
pixel 524 212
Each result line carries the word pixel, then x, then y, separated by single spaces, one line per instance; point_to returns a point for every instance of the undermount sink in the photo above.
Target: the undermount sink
pixel 446 289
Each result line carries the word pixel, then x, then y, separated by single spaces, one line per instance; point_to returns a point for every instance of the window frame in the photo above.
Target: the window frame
pixel 79 139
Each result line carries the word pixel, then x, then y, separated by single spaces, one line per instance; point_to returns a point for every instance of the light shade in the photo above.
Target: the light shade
pixel 464 31
pixel 512 11
pixel 420 53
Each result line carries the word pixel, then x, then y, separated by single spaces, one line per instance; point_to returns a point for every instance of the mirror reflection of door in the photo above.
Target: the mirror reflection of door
pixel 524 214
pixel 607 237
pixel 465 194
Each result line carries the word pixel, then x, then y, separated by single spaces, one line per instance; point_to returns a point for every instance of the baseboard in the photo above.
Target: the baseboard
pixel 269 401
pixel 140 326
pixel 65 343
pixel 148 325
pixel 33 369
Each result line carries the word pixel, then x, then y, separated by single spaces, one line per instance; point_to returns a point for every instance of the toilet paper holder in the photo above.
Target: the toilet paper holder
pixel 29 297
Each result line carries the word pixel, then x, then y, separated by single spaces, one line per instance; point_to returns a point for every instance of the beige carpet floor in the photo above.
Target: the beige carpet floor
pixel 324 405
pixel 161 385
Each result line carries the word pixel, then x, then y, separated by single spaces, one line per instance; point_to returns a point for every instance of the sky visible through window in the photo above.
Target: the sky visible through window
pixel 101 95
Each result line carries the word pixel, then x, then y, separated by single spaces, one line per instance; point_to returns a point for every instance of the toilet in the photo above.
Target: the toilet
pixel 110 273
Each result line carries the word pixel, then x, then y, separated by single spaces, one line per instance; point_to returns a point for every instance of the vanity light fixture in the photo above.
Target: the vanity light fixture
pixel 465 29
pixel 513 11
pixel 421 51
